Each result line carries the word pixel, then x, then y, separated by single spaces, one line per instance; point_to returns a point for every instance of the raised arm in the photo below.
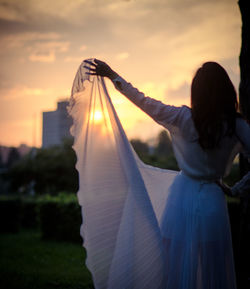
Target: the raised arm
pixel 166 115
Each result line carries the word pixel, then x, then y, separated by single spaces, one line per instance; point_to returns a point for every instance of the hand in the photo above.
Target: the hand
pixel 226 189
pixel 100 68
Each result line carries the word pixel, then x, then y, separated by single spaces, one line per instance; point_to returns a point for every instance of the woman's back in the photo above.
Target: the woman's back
pixel 199 163
pixel 145 227
pixel 195 161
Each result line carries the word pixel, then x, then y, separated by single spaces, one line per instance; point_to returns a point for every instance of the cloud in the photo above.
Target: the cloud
pixel 21 92
pixel 46 51
pixel 11 10
pixel 157 45
pixel 21 40
pixel 122 56
pixel 83 47
pixel 38 47
pixel 43 57
pixel 74 59
pixel 178 96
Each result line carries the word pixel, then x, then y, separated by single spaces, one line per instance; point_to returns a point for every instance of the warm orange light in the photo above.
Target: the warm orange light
pixel 98 116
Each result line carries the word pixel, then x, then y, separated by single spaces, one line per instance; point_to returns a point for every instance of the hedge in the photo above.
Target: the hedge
pixel 10 215
pixel 60 218
pixel 30 213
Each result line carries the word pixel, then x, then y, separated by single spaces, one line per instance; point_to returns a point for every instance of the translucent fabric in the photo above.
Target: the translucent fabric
pixel 144 227
pixel 196 234
pixel 122 199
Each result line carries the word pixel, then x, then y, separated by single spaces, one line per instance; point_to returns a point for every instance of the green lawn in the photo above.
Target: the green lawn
pixel 28 262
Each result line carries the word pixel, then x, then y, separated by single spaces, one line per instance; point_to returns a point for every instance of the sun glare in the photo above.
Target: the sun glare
pixel 98 116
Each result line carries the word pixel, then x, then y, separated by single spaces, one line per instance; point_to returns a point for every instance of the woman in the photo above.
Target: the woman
pixel 194 226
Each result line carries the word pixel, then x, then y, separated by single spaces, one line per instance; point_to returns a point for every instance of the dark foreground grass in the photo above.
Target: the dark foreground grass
pixel 28 262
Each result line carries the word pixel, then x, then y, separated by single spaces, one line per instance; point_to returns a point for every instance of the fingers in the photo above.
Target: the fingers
pixel 97 61
pixel 96 67
pixel 90 63
pixel 89 68
pixel 90 73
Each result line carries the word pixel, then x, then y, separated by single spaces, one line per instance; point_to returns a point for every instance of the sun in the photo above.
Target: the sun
pixel 100 123
pixel 98 116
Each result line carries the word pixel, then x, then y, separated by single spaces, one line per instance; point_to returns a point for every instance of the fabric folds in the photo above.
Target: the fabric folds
pixel 122 199
pixel 145 227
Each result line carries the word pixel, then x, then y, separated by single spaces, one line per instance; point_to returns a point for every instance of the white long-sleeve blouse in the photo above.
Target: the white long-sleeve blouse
pixel 195 162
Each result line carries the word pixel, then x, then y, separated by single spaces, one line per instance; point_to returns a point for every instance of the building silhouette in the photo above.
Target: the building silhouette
pixel 56 125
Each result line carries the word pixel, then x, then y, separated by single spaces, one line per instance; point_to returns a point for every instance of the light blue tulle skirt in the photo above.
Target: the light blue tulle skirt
pixel 143 227
pixel 197 237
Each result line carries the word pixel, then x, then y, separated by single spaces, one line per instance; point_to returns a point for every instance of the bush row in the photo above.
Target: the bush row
pixel 58 218
pixel 10 215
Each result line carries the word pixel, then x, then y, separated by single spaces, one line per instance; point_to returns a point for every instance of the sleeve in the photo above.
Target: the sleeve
pixel 242 186
pixel 243 133
pixel 166 115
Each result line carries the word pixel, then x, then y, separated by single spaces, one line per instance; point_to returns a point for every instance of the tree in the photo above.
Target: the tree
pixel 243 263
pixel 51 170
pixel 140 147
pixel 13 157
pixel 164 145
pixel 1 160
pixel 244 88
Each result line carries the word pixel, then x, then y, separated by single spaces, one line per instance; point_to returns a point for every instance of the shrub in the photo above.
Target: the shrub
pixel 60 218
pixel 10 214
pixel 30 213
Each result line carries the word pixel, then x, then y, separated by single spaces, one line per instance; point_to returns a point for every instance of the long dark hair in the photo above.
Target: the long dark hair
pixel 214 104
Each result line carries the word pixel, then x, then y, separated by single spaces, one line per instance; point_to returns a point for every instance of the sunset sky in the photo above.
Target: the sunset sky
pixel 157 45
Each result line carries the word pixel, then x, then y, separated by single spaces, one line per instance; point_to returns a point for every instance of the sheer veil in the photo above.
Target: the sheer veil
pixel 122 199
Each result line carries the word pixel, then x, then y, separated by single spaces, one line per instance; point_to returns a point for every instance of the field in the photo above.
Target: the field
pixel 28 262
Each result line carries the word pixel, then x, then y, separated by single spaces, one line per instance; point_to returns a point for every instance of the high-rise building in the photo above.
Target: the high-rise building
pixel 56 125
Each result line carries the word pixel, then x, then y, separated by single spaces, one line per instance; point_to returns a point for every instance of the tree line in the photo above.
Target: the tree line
pixel 52 170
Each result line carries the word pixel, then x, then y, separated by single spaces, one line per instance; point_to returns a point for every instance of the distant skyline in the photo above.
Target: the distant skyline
pixel 157 45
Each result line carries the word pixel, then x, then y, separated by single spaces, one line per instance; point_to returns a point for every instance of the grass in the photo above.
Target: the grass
pixel 28 262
